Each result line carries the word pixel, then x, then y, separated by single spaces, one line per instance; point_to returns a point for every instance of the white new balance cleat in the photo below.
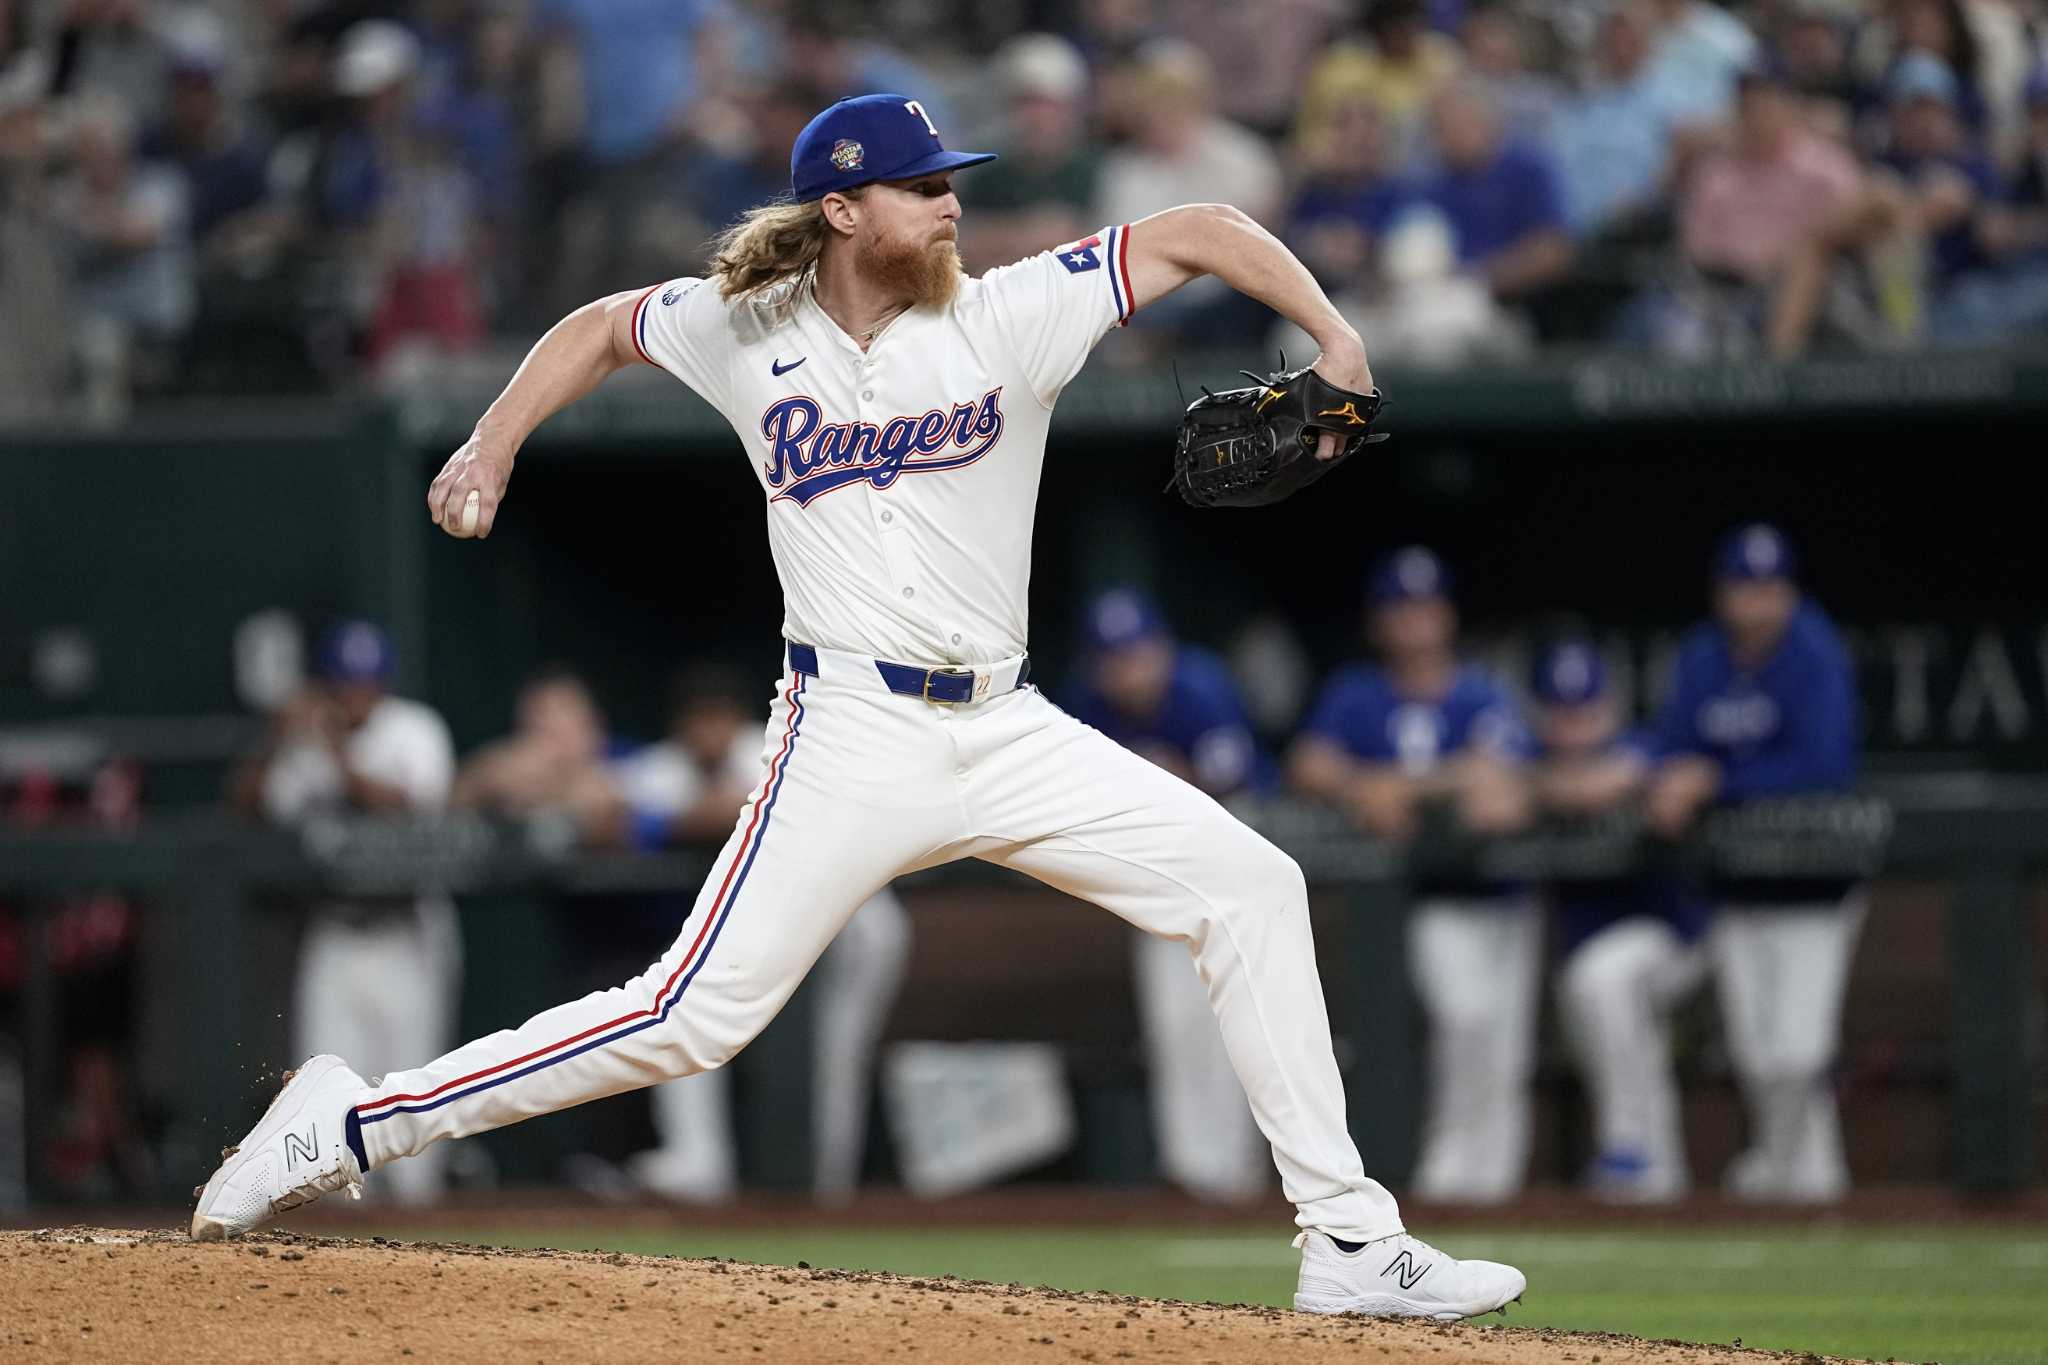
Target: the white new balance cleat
pixel 297 1152
pixel 1399 1277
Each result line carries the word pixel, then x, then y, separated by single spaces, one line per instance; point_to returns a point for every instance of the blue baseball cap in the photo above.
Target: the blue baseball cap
pixel 868 138
pixel 1410 574
pixel 1568 673
pixel 1922 75
pixel 1120 618
pixel 1753 552
pixel 355 651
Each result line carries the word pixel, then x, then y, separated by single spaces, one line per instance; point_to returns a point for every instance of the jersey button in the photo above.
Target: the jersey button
pixel 888 517
pixel 956 637
pixel 910 592
pixel 867 395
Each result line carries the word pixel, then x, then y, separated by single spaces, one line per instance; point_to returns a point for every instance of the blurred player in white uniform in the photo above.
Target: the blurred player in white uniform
pixel 894 415
pixel 687 787
pixel 377 978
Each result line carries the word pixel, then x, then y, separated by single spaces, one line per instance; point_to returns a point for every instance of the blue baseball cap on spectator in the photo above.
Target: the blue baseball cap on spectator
pixel 1752 552
pixel 355 651
pixel 1120 618
pixel 1410 574
pixel 1568 673
pixel 868 138
pixel 1921 75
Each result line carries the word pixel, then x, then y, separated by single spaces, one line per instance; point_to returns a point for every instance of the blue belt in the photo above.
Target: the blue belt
pixel 950 685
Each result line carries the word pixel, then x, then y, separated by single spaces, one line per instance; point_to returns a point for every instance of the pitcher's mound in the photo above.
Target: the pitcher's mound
pixel 99 1294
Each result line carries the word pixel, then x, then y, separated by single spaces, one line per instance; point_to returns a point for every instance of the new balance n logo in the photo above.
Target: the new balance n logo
pixel 307 1148
pixel 1406 1269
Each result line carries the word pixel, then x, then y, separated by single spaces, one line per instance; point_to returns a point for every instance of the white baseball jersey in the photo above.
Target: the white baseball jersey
pixel 403 743
pixel 900 526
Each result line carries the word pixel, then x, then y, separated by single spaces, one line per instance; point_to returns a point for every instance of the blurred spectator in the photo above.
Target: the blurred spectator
pixel 2011 298
pixel 1703 46
pixel 1759 228
pixel 1949 186
pixel 378 977
pixel 1176 706
pixel 1502 201
pixel 1182 153
pixel 1051 166
pixel 725 186
pixel 1614 142
pixel 1497 58
pixel 402 208
pixel 619 85
pixel 1347 200
pixel 1629 949
pixel 203 134
pixel 689 787
pixel 129 224
pixel 1429 312
pixel 1941 29
pixel 1813 54
pixel 35 304
pixel 1421 744
pixel 112 50
pixel 1400 67
pixel 1266 48
pixel 553 763
pixel 833 46
pixel 1763 705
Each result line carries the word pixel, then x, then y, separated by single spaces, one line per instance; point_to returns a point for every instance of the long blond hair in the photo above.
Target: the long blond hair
pixel 779 241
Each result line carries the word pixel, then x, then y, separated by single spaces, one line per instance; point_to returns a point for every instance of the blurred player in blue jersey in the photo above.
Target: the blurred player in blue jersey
pixel 1422 736
pixel 1177 706
pixel 1630 949
pixel 1763 704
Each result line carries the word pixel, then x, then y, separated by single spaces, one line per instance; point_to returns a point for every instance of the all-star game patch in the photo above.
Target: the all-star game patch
pixel 848 154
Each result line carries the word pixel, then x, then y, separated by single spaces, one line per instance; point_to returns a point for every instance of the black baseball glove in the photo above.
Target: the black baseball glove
pixel 1251 447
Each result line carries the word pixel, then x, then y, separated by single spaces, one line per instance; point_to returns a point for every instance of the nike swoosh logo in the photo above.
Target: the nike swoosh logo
pixel 781 368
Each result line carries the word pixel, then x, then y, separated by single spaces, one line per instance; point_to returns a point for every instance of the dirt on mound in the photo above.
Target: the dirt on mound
pixel 95 1294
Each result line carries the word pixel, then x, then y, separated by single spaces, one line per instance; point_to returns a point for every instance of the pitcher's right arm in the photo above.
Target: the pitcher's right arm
pixel 564 365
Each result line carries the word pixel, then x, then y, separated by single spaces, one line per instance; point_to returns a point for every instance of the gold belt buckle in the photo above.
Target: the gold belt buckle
pixel 966 673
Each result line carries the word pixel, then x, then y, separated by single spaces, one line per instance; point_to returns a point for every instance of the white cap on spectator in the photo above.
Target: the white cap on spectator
pixel 1042 64
pixel 374 55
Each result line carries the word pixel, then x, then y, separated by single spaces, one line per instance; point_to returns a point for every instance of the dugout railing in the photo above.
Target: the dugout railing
pixel 204 876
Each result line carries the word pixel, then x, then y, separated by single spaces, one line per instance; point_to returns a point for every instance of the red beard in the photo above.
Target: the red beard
pixel 927 275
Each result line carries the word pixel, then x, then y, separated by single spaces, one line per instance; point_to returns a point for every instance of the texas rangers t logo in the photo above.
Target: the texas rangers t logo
pixel 808 458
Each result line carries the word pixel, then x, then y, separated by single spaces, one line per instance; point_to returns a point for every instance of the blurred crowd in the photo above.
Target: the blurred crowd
pixel 263 195
pixel 1418 744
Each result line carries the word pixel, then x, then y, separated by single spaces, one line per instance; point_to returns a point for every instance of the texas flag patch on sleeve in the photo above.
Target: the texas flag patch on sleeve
pixel 1081 256
pixel 1110 247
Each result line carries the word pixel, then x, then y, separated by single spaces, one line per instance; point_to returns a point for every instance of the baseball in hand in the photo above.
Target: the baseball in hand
pixel 470 507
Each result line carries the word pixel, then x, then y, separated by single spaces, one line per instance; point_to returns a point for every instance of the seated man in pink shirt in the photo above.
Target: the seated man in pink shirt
pixel 1770 214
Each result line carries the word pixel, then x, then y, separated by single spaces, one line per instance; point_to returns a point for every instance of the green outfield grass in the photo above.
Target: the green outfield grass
pixel 1962 1297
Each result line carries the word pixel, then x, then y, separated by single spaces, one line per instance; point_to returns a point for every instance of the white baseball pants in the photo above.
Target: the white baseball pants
pixel 1475 964
pixel 1616 993
pixel 860 785
pixel 857 982
pixel 1782 972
